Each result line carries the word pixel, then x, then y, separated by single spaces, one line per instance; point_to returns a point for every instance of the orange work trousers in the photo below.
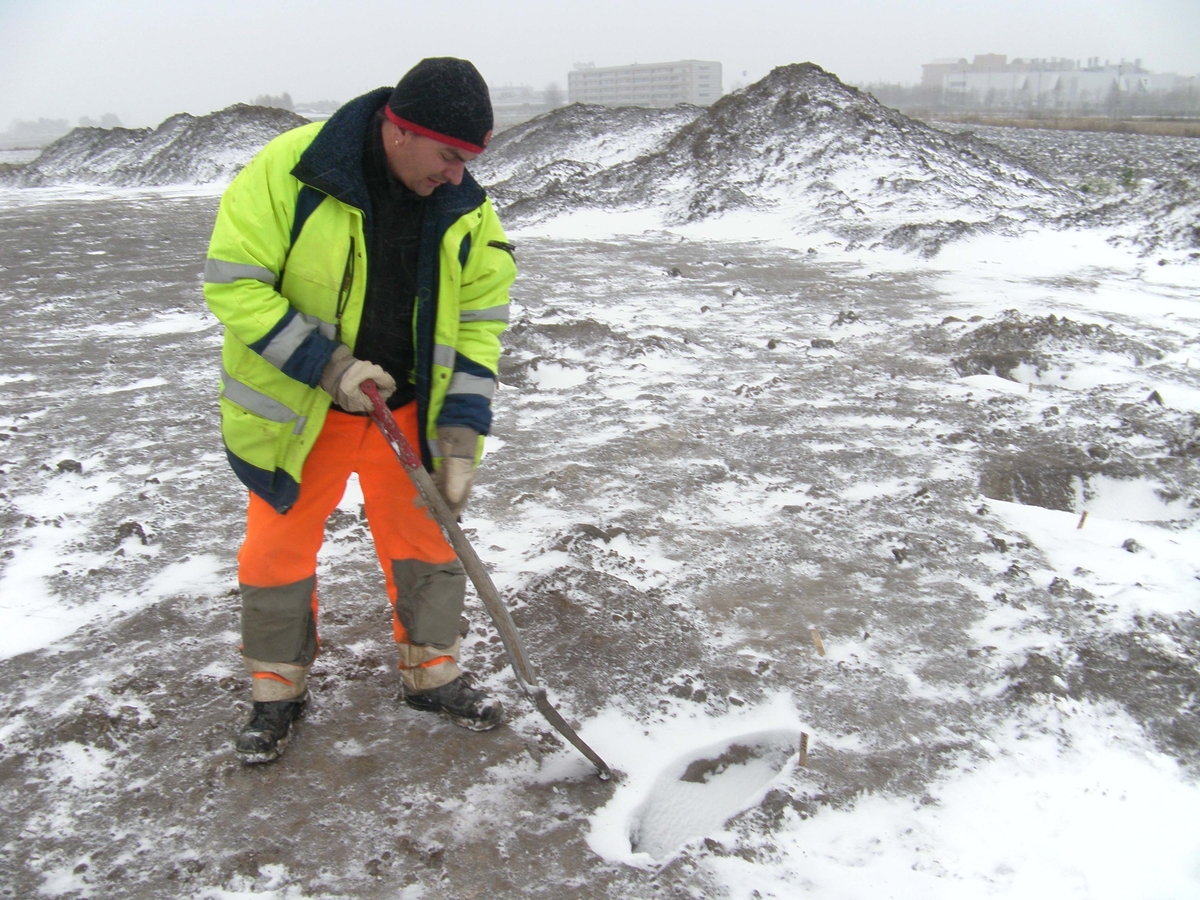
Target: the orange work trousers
pixel 277 563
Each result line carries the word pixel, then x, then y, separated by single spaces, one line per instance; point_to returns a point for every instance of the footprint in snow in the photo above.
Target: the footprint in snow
pixel 695 795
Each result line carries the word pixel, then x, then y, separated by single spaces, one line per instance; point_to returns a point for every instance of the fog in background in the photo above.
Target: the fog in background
pixel 143 60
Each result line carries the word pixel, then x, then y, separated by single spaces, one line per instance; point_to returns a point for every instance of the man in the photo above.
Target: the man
pixel 359 249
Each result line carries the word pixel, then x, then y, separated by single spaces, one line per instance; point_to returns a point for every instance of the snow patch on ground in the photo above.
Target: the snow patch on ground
pixel 651 806
pixel 1065 801
pixel 1126 559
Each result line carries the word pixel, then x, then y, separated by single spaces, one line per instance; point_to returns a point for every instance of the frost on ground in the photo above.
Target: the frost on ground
pixel 709 455
pixel 935 510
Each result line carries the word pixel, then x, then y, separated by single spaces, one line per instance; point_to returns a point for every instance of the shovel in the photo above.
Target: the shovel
pixel 523 671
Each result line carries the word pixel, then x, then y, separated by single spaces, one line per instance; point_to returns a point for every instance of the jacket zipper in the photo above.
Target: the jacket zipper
pixel 344 292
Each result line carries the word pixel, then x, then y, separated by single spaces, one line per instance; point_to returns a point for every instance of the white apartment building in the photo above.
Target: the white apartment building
pixel 992 81
pixel 513 104
pixel 652 84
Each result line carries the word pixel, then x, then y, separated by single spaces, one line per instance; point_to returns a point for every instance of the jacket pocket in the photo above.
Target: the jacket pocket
pixel 253 438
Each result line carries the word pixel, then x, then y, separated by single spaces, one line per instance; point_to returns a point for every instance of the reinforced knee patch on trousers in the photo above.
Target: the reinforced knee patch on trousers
pixel 278 624
pixel 429 600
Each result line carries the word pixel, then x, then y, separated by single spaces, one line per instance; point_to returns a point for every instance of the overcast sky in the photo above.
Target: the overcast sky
pixel 147 59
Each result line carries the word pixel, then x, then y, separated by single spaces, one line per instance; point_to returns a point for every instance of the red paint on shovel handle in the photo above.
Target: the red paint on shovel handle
pixel 387 423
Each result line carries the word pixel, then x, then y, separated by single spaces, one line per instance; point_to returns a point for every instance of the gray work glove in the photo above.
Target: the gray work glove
pixel 457 471
pixel 343 376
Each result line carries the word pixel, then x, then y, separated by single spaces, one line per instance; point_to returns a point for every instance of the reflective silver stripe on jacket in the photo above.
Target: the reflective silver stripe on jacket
pixel 444 355
pixel 218 271
pixel 491 314
pixel 258 403
pixel 284 344
pixel 462 383
pixel 435 449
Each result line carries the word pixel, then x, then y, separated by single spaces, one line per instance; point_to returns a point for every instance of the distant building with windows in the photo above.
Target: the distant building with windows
pixel 992 81
pixel 651 84
pixel 513 104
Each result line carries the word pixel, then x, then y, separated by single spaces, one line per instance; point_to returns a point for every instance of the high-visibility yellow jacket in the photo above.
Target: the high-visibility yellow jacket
pixel 286 274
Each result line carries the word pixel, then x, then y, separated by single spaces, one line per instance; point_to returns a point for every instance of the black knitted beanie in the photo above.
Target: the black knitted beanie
pixel 446 99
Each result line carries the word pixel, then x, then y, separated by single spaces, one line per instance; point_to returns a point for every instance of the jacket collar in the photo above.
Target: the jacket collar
pixel 332 163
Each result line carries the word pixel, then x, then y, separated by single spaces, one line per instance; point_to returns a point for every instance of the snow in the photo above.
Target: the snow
pixel 797 154
pixel 588 137
pixel 594 224
pixel 654 813
pixel 1070 803
pixel 31 615
pixel 182 150
pixel 721 444
pixel 1158 573
pixel 1067 800
pixel 554 377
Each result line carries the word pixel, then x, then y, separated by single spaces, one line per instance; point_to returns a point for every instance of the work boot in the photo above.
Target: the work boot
pixel 263 738
pixel 460 703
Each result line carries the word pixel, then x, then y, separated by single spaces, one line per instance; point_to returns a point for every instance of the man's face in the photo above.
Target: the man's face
pixel 420 163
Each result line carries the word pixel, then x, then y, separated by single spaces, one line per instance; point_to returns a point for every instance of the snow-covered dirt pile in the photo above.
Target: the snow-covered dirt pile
pixel 803 151
pixel 1146 186
pixel 183 150
pixel 736 492
pixel 571 143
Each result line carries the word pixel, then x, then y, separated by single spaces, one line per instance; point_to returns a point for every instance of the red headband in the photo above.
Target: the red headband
pixel 430 133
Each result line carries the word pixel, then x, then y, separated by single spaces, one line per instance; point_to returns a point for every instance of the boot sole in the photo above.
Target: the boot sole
pixel 257 758
pixel 460 721
pixel 474 724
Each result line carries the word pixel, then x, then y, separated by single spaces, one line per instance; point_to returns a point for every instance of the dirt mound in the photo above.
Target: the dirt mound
pixel 1002 347
pixel 799 146
pixel 574 141
pixel 184 149
pixel 1147 186
pixel 1048 475
pixel 1170 209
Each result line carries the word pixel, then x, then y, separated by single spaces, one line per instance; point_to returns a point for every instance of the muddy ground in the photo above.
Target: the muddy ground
pixel 706 450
